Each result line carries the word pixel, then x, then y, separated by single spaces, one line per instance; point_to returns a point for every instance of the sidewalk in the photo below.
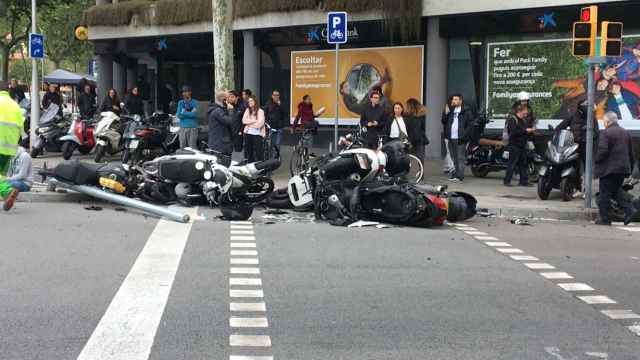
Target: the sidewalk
pixel 491 194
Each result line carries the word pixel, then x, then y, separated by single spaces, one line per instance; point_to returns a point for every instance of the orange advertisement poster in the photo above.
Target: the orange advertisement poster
pixel 398 70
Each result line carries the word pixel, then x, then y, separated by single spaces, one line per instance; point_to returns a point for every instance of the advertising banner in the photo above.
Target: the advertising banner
pixel 557 81
pixel 397 70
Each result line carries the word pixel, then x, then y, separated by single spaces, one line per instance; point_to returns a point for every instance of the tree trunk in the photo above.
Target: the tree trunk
pixel 223 45
pixel 4 60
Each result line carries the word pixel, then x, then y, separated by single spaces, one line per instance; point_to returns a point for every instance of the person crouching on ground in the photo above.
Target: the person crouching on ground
pixel 518 130
pixel 11 125
pixel 19 178
pixel 614 162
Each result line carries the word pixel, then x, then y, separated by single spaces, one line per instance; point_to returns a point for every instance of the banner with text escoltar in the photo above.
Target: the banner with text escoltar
pixel 557 81
pixel 398 70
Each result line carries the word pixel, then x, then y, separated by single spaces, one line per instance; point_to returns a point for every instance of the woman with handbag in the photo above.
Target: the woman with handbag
pixel 416 123
pixel 397 124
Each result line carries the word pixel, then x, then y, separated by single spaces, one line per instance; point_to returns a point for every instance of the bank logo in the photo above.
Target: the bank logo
pixel 320 33
pixel 547 21
pixel 313 35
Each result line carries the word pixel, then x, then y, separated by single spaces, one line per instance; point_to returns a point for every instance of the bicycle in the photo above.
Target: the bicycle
pixel 268 146
pixel 300 157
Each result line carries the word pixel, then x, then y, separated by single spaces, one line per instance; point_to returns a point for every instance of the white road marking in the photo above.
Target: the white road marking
pixel 598 355
pixel 244 261
pixel 497 243
pixel 476 233
pixel 245 281
pixel 243 253
pixel 242 232
pixel 510 250
pixel 248 307
pixel 596 299
pixel 539 266
pixel 459 225
pixel 635 329
pixel 128 327
pixel 244 322
pixel 487 238
pixel 556 275
pixel 241 227
pixel 236 357
pixel 468 228
pixel 621 314
pixel 237 222
pixel 524 258
pixel 243 245
pixel 575 287
pixel 630 229
pixel 246 293
pixel 242 270
pixel 250 340
pixel 243 238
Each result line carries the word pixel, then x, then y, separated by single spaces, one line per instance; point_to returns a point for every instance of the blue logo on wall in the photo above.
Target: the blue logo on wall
pixel 547 21
pixel 313 35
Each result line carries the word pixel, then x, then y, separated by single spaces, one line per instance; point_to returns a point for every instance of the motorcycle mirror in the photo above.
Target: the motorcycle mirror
pixel 550 127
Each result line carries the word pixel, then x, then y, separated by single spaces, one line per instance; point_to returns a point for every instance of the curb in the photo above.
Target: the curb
pixel 565 215
pixel 55 197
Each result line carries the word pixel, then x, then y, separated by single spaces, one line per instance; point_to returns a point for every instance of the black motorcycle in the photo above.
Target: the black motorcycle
pixel 617 212
pixel 561 169
pixel 149 138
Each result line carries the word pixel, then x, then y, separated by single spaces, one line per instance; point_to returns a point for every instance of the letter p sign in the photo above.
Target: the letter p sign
pixel 337 27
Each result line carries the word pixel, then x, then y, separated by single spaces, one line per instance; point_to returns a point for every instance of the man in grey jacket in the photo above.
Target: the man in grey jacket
pixel 19 178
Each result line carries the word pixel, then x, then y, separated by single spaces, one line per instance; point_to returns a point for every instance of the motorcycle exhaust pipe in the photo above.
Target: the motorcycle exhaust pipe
pixel 125 201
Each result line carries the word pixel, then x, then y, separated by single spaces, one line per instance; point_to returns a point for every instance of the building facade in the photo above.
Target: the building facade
pixel 486 50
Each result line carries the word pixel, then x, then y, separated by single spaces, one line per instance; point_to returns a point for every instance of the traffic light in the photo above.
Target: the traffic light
pixel 585 31
pixel 611 41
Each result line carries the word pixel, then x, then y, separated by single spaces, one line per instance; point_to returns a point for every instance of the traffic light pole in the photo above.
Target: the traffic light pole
pixel 588 168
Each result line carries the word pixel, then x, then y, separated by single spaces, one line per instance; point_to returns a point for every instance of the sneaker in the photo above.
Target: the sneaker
pixel 508 184
pixel 454 179
pixel 10 200
pixel 603 222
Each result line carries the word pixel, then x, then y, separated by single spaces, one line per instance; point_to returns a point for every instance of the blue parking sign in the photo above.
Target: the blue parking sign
pixel 36 46
pixel 337 27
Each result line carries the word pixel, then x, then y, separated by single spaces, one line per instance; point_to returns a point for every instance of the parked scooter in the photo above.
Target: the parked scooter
pixel 48 135
pixel 561 169
pixel 109 133
pixel 147 139
pixel 81 136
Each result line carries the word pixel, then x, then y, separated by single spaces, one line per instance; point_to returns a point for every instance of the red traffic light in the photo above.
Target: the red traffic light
pixel 585 14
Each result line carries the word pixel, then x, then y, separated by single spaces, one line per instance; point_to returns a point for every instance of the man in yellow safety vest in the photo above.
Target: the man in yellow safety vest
pixel 11 126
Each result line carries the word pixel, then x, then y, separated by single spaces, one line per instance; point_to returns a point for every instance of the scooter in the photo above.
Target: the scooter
pixel 561 169
pixel 109 133
pixel 48 135
pixel 81 136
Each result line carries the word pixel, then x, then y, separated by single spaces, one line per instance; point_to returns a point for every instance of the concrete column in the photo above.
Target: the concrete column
pixel 437 54
pixel 131 77
pixel 251 64
pixel 102 2
pixel 105 74
pixel 118 77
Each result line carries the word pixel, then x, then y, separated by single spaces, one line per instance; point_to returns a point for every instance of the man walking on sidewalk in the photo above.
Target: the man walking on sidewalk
pixel 11 125
pixel 457 120
pixel 614 162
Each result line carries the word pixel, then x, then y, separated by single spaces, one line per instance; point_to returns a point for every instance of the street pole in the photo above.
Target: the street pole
pixel 35 94
pixel 335 135
pixel 588 167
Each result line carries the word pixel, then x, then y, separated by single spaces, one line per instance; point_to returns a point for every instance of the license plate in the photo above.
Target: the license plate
pixel 133 144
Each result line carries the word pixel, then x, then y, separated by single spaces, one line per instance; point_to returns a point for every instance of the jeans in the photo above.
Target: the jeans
pixel 253 148
pixel 611 188
pixel 448 163
pixel 458 152
pixel 188 138
pixel 7 186
pixel 517 161
pixel 276 140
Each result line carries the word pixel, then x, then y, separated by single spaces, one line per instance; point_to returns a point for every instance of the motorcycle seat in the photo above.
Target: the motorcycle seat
pixel 491 142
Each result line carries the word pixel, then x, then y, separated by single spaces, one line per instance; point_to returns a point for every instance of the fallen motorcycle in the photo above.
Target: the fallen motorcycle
pixel 363 184
pixel 617 212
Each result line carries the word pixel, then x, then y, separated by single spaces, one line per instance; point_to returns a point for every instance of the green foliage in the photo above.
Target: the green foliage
pixel 58 24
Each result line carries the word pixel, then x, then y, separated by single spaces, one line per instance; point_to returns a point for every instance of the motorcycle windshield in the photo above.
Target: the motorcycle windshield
pixel 562 140
pixel 49 114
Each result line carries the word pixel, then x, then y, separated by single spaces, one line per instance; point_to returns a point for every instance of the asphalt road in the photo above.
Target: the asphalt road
pixel 81 284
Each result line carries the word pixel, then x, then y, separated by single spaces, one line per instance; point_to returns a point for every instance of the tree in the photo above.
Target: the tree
pixel 58 23
pixel 223 44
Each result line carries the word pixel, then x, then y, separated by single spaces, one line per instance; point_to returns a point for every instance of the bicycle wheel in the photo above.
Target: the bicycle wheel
pixel 295 165
pixel 416 169
pixel 266 148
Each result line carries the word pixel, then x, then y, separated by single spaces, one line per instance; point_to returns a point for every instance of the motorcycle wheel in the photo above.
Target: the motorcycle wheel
pixel 67 149
pixel 100 151
pixel 534 175
pixel 566 188
pixel 544 188
pixel 261 190
pixel 279 199
pixel 480 171
pixel 35 152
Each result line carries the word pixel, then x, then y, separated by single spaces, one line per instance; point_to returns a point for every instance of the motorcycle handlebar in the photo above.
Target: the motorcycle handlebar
pixel 268 165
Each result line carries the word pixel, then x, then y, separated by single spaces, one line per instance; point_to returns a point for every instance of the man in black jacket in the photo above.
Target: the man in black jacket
pixel 373 120
pixel 518 129
pixel 221 121
pixel 614 162
pixel 87 102
pixel 457 120
pixel 276 117
pixel 15 92
pixel 578 126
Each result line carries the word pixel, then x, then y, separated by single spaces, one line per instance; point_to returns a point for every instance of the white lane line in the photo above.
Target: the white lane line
pixel 635 329
pixel 250 340
pixel 248 307
pixel 497 243
pixel 242 232
pixel 243 270
pixel 620 314
pixel 238 222
pixel 241 228
pixel 596 299
pixel 510 250
pixel 245 322
pixel 524 258
pixel 128 327
pixel 630 229
pixel 242 238
pixel 246 293
pixel 243 245
pixel 556 275
pixel 244 261
pixel 487 238
pixel 576 287
pixel 476 233
pixel 237 357
pixel 245 281
pixel 459 225
pixel 468 228
pixel 539 266
pixel 243 253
